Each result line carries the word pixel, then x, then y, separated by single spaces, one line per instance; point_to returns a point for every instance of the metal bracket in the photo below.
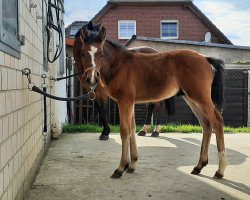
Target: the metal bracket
pixel 32 5
pixel 38 17
pixel 21 39
pixel 26 71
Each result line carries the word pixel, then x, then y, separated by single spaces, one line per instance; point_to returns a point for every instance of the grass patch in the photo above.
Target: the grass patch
pixel 170 128
pixel 182 128
pixel 90 128
pixel 242 62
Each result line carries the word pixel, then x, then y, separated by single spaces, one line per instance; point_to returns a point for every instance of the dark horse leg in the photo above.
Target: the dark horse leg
pixel 102 107
pixel 158 119
pixel 164 109
pixel 146 126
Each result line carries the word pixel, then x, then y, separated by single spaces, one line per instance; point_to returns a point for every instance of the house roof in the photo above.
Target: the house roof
pixel 188 3
pixel 210 24
pixel 70 41
pixel 228 46
pixel 75 25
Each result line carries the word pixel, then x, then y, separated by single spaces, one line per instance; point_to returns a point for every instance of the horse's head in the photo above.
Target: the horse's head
pixel 88 51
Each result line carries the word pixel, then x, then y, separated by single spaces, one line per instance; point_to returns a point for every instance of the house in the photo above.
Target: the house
pixel 164 19
pixel 70 32
pixel 24 43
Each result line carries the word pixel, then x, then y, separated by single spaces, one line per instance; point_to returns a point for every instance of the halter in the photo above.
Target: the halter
pixel 90 69
pixel 92 88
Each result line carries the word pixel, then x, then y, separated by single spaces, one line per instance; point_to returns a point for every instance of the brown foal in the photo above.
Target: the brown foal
pixel 102 100
pixel 127 78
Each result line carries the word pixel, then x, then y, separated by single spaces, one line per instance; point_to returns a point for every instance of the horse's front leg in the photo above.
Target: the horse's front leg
pixel 133 146
pixel 126 115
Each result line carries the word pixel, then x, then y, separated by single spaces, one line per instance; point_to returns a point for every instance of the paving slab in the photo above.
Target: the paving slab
pixel 79 166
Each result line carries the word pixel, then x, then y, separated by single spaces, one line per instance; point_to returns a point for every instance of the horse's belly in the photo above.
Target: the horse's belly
pixel 160 92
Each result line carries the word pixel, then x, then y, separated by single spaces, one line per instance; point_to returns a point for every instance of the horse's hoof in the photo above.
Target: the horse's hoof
pixel 218 175
pixel 155 134
pixel 130 170
pixel 117 174
pixel 196 171
pixel 142 133
pixel 106 131
pixel 103 137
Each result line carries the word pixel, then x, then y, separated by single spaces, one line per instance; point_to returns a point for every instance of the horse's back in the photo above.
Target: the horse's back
pixel 188 63
pixel 193 72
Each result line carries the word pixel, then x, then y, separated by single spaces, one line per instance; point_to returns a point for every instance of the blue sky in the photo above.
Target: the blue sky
pixel 232 17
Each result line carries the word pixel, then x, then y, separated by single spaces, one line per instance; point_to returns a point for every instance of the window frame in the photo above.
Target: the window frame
pixel 129 21
pixel 170 21
pixel 11 45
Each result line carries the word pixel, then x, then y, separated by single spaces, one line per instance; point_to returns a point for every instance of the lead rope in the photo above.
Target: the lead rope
pixel 45 126
pixel 31 86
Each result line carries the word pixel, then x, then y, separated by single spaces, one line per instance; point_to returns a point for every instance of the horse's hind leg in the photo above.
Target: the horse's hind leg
pixel 207 131
pixel 218 128
pixel 216 121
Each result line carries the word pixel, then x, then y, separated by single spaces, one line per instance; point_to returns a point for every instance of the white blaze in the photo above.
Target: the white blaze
pixel 92 52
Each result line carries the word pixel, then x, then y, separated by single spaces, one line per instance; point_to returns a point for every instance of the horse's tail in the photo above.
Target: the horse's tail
pixel 217 93
pixel 170 106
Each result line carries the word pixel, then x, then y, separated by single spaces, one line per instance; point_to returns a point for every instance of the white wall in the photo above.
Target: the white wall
pixel 21 111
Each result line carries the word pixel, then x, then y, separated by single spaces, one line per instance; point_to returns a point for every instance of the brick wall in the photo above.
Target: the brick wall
pixel 148 19
pixel 21 111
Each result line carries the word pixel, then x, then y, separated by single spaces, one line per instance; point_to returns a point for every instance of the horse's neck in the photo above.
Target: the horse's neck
pixel 113 52
pixel 113 57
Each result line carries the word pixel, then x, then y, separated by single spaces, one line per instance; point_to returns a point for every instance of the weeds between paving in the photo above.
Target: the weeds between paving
pixel 170 128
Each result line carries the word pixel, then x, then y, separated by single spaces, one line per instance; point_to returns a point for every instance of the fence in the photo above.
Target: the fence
pixel 235 112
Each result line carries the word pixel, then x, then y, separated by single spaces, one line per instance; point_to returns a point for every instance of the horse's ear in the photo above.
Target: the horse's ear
pixel 84 34
pixel 102 34
pixel 90 25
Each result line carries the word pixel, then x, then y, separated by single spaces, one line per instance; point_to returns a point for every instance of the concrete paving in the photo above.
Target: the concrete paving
pixel 78 166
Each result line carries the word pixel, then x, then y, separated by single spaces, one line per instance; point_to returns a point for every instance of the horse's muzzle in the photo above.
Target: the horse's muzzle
pixel 92 76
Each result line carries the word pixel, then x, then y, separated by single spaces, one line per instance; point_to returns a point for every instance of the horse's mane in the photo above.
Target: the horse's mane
pixel 116 44
pixel 78 32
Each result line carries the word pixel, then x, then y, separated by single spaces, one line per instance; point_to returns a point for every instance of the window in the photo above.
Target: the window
pixel 169 29
pixel 126 29
pixel 73 31
pixel 9 27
